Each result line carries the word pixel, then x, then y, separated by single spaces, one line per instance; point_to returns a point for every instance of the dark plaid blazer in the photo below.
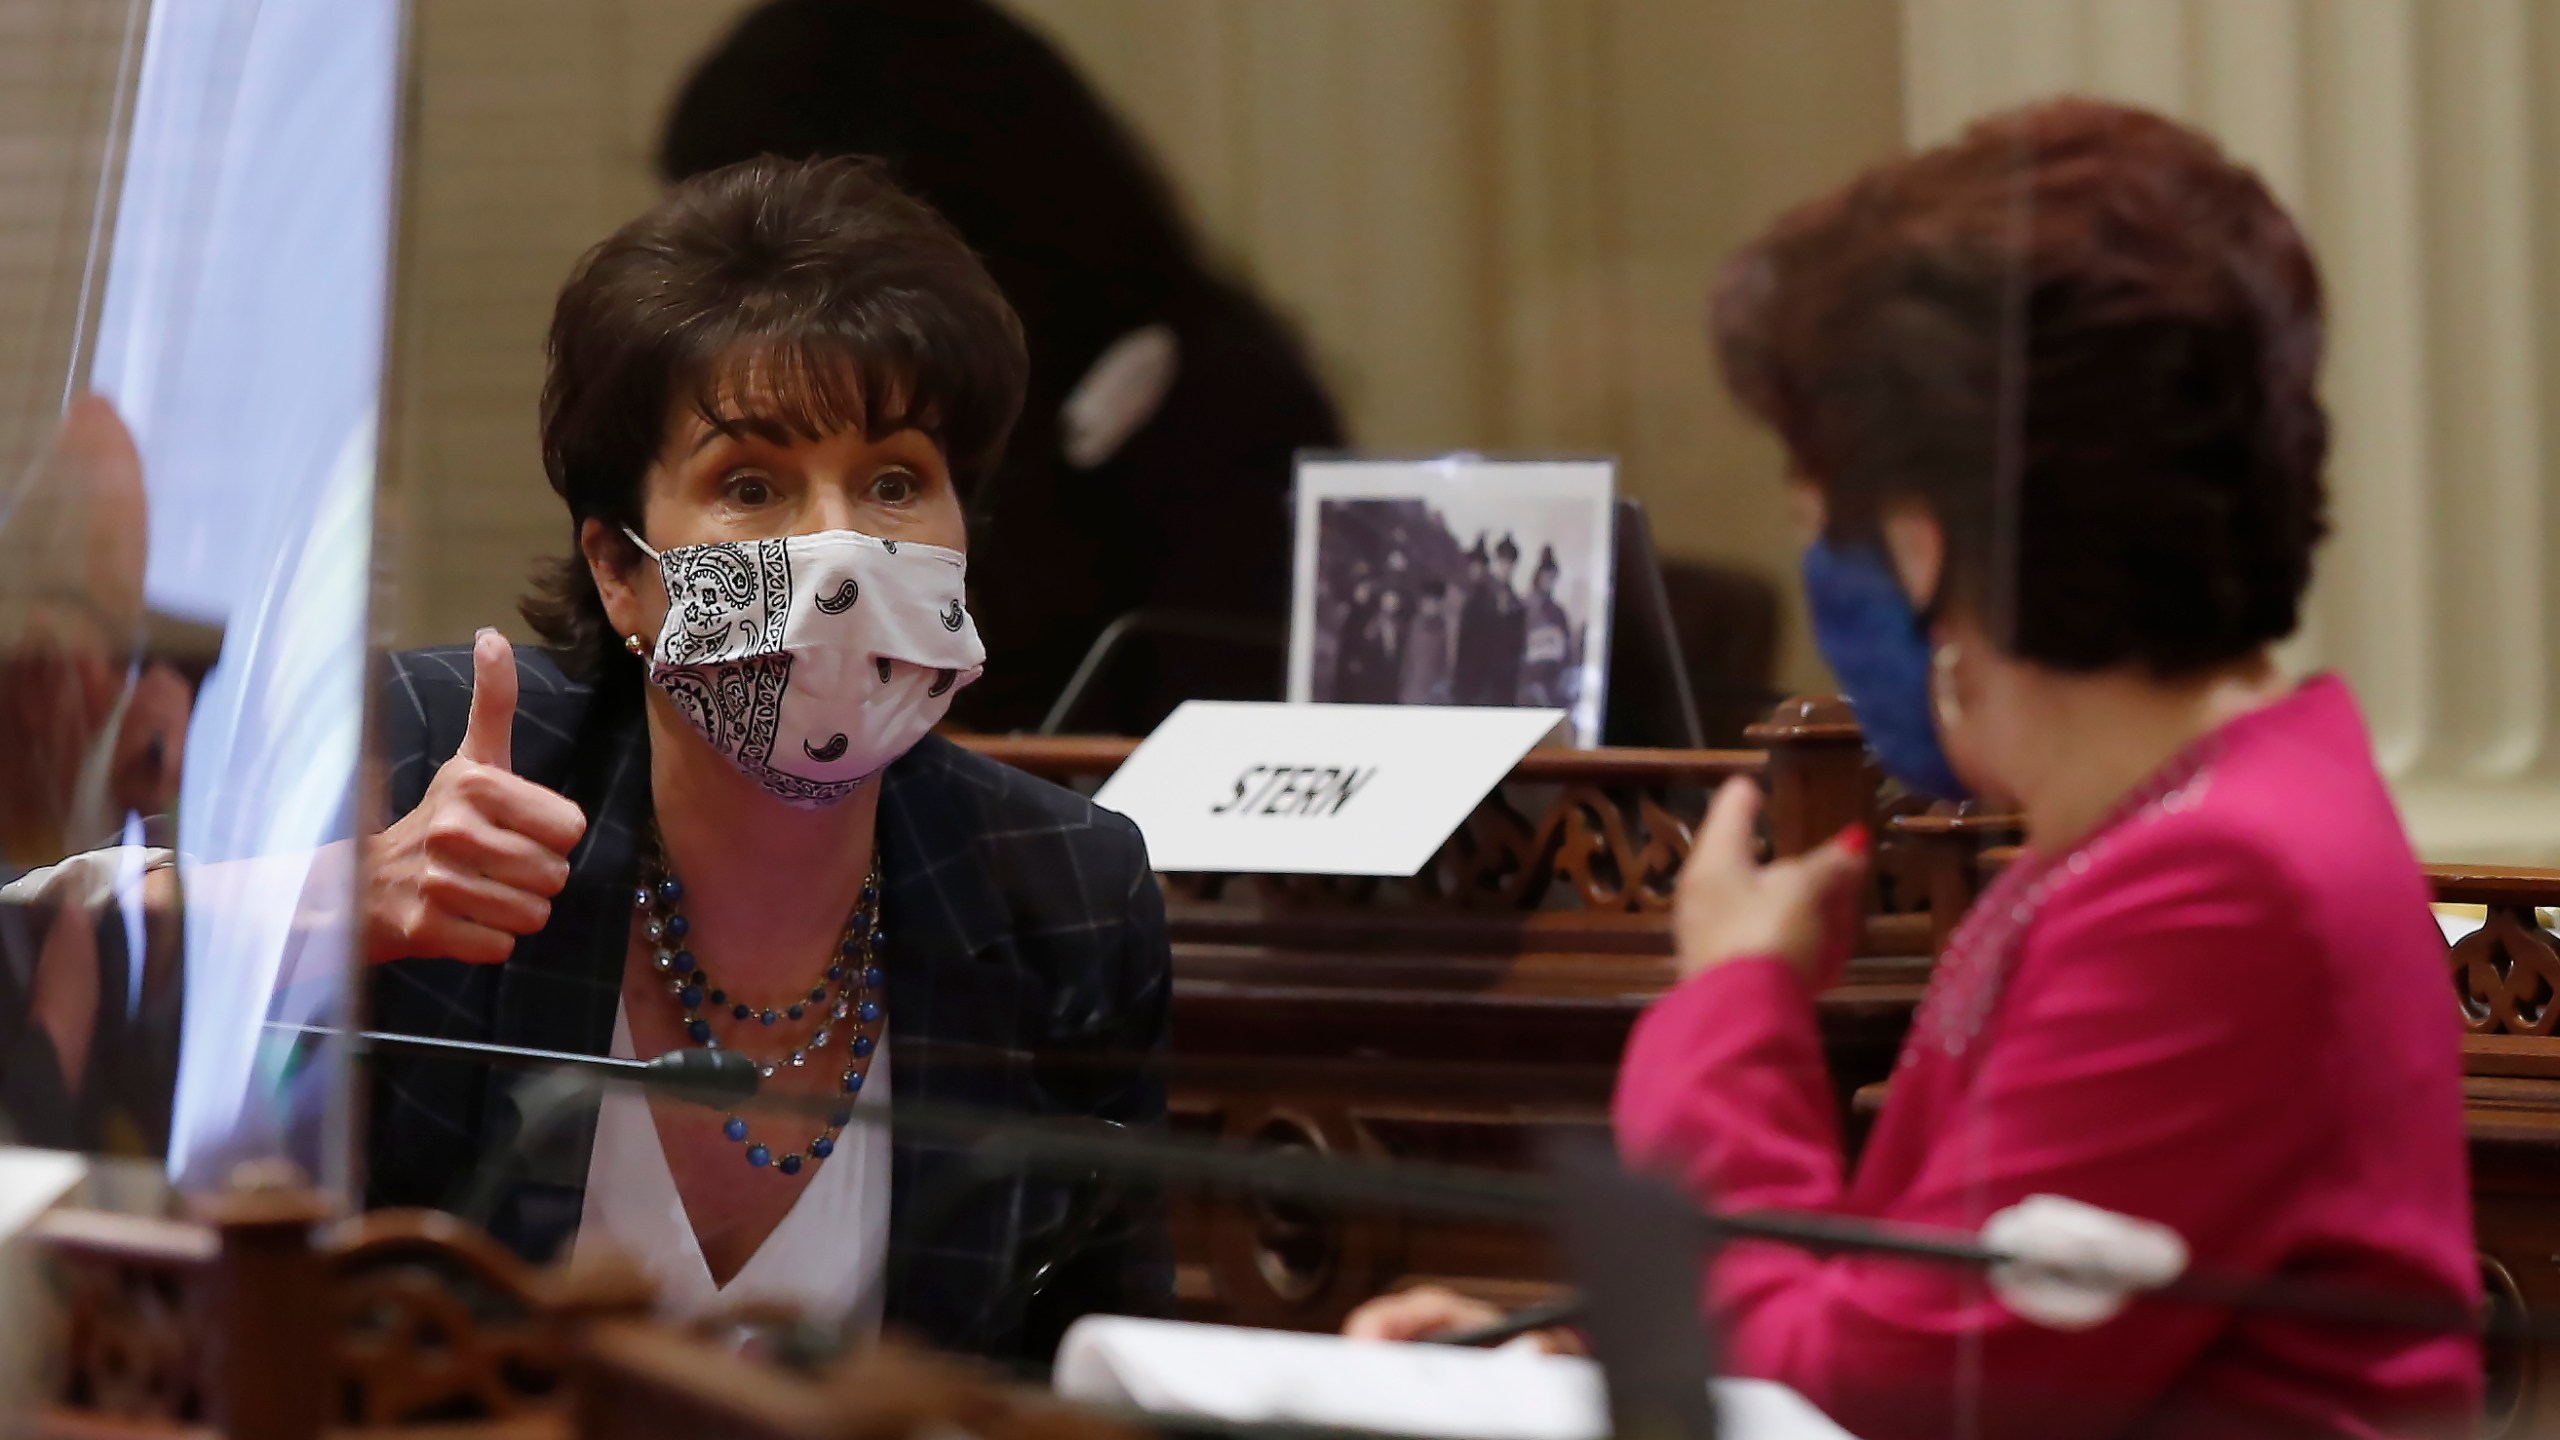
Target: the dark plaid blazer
pixel 1018 916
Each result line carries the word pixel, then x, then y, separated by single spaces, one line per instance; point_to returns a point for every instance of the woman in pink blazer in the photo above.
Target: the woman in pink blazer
pixel 2049 397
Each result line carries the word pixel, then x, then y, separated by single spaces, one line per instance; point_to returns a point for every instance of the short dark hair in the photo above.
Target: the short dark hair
pixel 2154 404
pixel 814 291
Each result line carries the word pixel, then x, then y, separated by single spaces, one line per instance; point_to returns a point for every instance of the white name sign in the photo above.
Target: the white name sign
pixel 31 1181
pixel 1315 789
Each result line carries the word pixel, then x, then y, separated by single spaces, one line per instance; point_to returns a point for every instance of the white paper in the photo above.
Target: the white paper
pixel 1276 1376
pixel 1315 789
pixel 31 1181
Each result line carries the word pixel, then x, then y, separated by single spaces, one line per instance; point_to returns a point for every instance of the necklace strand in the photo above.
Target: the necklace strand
pixel 1968 980
pixel 849 998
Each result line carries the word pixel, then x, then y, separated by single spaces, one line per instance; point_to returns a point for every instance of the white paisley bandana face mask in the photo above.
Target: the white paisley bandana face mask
pixel 813 661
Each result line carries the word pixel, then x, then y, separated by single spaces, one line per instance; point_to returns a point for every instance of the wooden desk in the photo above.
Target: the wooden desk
pixel 258 1320
pixel 1461 1016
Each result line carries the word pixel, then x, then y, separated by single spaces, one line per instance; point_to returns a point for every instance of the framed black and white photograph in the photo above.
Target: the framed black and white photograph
pixel 1454 581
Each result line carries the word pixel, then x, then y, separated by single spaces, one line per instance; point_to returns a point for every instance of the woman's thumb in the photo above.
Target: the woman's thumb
pixel 489 736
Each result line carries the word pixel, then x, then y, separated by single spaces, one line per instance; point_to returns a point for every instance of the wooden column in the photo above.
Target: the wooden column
pixel 1951 841
pixel 268 1357
pixel 1817 778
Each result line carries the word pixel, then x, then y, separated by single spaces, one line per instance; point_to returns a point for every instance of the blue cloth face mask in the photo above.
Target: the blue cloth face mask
pixel 1878 646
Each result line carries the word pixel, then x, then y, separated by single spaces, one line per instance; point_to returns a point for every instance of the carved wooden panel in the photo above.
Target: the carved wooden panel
pixel 1604 832
pixel 414 1324
pixel 398 1318
pixel 1597 830
pixel 433 1321
pixel 1591 848
pixel 650 1382
pixel 2507 974
pixel 1287 1264
pixel 132 1310
pixel 1607 848
pixel 1274 1260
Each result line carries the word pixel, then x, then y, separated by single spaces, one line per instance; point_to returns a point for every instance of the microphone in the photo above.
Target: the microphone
pixel 693 1073
pixel 701 1075
pixel 1042 1144
pixel 709 1074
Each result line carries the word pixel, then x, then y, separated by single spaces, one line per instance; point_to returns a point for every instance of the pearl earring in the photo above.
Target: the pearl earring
pixel 634 644
pixel 1942 686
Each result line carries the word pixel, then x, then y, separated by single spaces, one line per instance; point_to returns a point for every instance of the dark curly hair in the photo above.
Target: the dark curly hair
pixel 2089 343
pixel 811 293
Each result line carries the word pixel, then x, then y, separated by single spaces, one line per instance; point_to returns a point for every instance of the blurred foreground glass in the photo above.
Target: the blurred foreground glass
pixel 197 240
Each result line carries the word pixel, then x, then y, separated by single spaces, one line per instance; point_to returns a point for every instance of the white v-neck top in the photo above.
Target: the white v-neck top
pixel 828 1255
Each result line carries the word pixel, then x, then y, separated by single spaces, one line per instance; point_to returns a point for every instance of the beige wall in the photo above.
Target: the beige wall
pixel 60 102
pixel 1496 219
pixel 1493 219
pixel 529 138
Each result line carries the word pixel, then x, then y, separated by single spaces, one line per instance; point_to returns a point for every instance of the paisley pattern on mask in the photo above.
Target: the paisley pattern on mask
pixel 724 598
pixel 738 708
pixel 741 613
pixel 729 598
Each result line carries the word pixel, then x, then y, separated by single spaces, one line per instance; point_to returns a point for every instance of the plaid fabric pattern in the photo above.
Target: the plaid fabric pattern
pixel 1019 918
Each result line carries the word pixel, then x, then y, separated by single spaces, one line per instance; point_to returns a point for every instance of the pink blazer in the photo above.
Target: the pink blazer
pixel 2229 1013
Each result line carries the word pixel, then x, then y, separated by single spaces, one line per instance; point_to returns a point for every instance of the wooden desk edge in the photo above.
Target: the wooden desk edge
pixel 1056 757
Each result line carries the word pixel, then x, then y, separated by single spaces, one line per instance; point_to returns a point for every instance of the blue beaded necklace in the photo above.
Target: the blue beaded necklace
pixel 849 999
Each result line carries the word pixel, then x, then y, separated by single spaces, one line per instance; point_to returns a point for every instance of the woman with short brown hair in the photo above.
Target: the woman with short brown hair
pixel 713 814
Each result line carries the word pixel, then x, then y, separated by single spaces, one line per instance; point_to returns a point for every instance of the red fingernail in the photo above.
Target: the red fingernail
pixel 1852 838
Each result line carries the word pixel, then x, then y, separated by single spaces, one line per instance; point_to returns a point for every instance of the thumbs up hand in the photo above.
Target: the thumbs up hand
pixel 476 864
